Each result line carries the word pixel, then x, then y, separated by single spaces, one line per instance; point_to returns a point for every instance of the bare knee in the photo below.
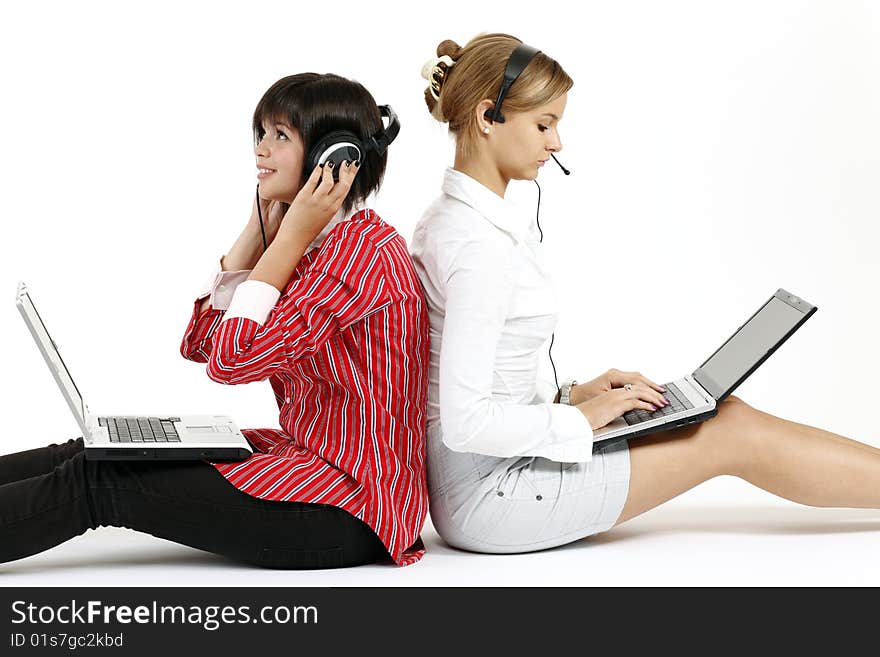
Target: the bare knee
pixel 732 435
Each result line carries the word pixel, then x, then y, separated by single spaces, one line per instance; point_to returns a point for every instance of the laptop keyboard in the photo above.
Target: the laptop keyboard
pixel 678 401
pixel 125 429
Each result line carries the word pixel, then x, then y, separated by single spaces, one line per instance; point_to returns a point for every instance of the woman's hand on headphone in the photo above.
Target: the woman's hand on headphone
pixel 607 406
pixel 319 199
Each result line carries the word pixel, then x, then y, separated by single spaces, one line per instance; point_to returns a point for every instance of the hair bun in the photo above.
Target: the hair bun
pixel 450 48
pixel 435 71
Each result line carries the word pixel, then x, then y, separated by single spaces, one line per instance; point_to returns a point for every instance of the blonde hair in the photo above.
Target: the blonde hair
pixel 476 75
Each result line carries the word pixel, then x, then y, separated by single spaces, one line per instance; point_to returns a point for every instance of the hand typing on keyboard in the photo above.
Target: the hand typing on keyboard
pixel 607 406
pixel 678 401
pixel 611 379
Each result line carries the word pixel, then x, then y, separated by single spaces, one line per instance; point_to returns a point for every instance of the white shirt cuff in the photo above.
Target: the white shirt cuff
pixel 222 284
pixel 253 300
pixel 208 286
pixel 573 435
pixel 225 285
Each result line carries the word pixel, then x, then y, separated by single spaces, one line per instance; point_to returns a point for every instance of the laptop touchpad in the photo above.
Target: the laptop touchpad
pixel 202 429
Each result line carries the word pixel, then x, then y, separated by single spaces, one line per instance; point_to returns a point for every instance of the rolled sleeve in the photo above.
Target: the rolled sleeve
pixel 211 281
pixel 226 285
pixel 253 300
pixel 221 285
pixel 263 331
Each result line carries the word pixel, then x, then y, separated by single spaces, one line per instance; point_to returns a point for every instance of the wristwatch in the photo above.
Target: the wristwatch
pixel 565 392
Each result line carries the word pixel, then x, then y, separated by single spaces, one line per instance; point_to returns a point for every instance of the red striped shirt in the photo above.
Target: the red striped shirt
pixel 345 350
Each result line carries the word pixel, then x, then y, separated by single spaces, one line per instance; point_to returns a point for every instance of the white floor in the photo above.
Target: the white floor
pixel 689 541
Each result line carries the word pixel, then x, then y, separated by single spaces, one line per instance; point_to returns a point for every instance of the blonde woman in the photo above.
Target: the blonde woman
pixel 510 469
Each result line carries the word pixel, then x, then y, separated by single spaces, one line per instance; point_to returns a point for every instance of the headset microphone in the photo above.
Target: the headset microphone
pixel 516 63
pixel 564 170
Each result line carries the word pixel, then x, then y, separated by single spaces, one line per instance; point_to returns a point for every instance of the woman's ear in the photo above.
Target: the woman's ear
pixel 482 107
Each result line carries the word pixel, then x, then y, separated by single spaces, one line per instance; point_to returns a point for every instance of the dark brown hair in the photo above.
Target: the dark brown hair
pixel 315 104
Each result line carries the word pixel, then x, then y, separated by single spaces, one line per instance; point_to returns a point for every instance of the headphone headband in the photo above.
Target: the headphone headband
pixel 380 143
pixel 516 64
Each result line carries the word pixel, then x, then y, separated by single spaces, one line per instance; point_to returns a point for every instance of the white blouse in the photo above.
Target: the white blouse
pixel 492 307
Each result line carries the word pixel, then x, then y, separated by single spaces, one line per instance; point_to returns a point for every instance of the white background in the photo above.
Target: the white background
pixel 719 151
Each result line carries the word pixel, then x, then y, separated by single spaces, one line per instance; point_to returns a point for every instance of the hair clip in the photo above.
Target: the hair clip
pixel 432 72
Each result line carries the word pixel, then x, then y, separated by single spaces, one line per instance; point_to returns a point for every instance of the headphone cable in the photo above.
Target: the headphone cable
pixel 260 215
pixel 552 335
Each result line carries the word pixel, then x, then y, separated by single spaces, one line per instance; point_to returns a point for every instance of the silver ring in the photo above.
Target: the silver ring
pixel 628 386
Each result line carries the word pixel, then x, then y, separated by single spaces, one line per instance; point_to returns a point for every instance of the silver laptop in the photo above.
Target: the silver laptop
pixel 695 397
pixel 174 437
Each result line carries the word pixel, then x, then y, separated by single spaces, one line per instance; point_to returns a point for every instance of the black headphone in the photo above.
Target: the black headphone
pixel 516 64
pixel 341 145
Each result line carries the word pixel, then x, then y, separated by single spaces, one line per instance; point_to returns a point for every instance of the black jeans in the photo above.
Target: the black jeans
pixel 51 494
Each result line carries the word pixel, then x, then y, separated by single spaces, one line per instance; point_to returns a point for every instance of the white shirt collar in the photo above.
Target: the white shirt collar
pixel 499 211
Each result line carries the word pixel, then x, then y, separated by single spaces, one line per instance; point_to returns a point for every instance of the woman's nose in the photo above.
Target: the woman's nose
pixel 260 148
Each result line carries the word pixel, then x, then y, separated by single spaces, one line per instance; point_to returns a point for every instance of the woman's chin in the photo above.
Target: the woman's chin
pixel 269 193
pixel 525 174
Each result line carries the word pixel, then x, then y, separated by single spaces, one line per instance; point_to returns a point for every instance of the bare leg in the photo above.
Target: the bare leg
pixel 795 461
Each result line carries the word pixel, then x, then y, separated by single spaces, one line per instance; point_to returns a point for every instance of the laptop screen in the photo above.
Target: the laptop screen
pixel 753 343
pixel 52 356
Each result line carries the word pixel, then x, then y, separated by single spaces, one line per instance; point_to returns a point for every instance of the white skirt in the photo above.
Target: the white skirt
pixel 522 504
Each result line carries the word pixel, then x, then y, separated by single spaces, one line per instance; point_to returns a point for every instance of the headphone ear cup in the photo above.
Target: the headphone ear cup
pixel 335 147
pixel 493 116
